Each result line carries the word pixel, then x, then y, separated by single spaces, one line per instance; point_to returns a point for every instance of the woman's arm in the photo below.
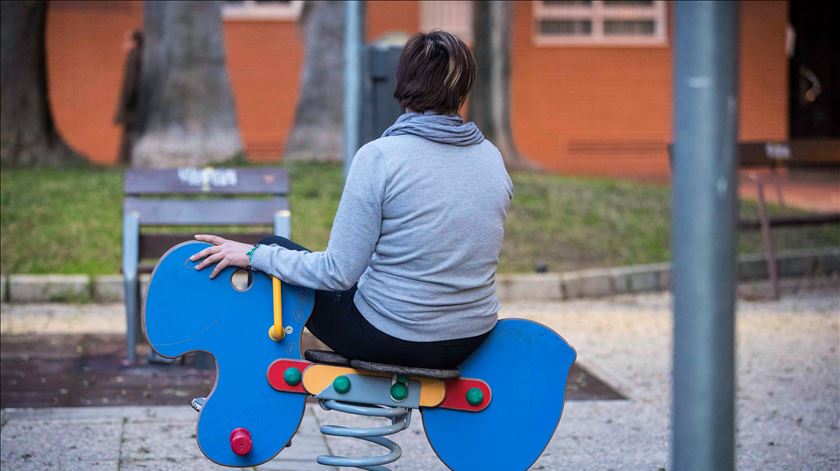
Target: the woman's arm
pixel 352 242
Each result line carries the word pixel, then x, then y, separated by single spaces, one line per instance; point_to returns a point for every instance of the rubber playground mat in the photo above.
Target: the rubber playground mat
pixel 88 370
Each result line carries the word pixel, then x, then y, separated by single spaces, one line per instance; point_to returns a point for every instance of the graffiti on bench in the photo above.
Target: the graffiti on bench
pixel 207 177
pixel 777 151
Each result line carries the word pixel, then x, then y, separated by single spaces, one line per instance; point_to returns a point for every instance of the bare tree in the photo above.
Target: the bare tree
pixel 318 128
pixel 489 104
pixel 187 114
pixel 27 130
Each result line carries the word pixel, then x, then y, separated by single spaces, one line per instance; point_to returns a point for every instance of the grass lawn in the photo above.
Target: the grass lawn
pixel 69 221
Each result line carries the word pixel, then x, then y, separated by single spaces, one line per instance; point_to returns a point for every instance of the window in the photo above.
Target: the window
pixel 600 22
pixel 288 10
pixel 452 16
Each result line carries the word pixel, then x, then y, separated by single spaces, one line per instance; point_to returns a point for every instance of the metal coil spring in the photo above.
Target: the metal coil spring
pixel 400 420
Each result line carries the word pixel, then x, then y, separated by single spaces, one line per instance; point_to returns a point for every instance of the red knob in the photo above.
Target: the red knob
pixel 240 441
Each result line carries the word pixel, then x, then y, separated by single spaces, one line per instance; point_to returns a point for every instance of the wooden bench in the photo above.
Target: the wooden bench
pixel 160 203
pixel 812 155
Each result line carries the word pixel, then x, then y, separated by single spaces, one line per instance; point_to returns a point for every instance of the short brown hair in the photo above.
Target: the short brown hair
pixel 436 73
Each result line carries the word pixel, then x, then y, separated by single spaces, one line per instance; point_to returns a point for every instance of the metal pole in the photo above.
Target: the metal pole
pixel 353 32
pixel 704 234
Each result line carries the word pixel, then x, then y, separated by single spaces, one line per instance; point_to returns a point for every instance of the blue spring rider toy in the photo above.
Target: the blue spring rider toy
pixel 498 410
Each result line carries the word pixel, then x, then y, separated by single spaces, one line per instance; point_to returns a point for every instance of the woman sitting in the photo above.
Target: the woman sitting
pixel 408 275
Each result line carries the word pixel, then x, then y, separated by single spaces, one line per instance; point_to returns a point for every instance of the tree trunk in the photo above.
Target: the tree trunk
pixel 186 109
pixel 27 134
pixel 318 129
pixel 489 104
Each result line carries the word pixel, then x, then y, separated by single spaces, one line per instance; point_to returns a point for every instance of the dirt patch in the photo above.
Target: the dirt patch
pixel 88 370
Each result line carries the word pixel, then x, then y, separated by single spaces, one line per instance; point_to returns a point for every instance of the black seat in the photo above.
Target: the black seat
pixel 332 358
pixel 326 357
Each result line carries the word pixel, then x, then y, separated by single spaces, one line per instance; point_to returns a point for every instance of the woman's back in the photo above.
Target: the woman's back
pixel 431 276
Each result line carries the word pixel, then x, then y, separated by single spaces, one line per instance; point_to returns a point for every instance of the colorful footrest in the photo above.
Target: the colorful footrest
pixel 365 387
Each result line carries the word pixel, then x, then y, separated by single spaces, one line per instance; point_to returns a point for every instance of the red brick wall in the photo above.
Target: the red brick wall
pixel 763 90
pixel 385 16
pixel 85 68
pixel 264 62
pixel 584 110
pixel 607 110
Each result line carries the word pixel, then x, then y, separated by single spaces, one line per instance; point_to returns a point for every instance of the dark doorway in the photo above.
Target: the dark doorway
pixel 815 69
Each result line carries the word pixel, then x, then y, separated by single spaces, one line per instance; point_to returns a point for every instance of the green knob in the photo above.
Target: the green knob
pixel 475 397
pixel 341 384
pixel 402 379
pixel 399 391
pixel 292 376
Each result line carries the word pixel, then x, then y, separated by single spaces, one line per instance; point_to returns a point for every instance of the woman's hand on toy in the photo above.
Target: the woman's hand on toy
pixel 223 253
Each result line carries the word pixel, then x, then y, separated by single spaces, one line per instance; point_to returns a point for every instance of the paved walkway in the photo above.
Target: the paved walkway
pixel 788 395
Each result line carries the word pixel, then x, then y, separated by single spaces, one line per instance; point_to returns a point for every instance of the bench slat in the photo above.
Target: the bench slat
pixel 154 245
pixel 219 181
pixel 806 220
pixel 804 153
pixel 221 212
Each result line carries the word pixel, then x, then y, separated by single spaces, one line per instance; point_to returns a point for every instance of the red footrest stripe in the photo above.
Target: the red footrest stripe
pixel 278 369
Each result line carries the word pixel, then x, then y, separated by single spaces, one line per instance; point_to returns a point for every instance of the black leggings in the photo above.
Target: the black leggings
pixel 337 322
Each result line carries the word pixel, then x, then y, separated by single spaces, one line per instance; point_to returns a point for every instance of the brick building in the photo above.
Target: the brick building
pixel 591 80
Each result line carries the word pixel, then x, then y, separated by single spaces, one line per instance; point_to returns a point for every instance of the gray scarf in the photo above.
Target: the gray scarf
pixel 446 129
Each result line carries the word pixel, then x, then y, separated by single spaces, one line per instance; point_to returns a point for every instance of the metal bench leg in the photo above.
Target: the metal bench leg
pixel 131 247
pixel 769 253
pixel 283 223
pixel 132 307
pixel 778 185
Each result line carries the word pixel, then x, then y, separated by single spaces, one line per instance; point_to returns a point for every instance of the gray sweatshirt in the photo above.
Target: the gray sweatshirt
pixel 419 227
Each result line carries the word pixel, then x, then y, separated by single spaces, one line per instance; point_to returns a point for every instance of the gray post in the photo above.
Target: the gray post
pixel 353 37
pixel 133 299
pixel 704 234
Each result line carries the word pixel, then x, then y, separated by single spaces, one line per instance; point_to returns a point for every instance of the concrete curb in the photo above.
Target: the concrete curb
pixel 108 288
pixel 519 287
pixel 49 288
pixel 654 277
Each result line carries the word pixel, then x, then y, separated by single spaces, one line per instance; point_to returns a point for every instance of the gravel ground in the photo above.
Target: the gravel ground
pixel 788 397
pixel 788 391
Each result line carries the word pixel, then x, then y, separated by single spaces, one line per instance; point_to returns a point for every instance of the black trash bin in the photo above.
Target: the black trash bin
pixel 380 109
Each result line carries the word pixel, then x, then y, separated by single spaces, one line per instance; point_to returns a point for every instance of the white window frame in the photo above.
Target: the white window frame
pixel 598 12
pixel 254 11
pixel 452 16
